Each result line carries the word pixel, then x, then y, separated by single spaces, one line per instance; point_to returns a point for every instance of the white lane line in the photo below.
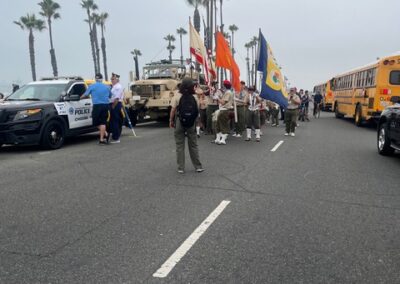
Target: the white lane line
pixel 173 260
pixel 277 146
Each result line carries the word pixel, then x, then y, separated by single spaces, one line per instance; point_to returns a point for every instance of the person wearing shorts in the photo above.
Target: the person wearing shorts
pixel 100 94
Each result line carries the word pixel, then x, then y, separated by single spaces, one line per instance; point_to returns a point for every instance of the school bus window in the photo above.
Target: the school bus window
pixel 395 78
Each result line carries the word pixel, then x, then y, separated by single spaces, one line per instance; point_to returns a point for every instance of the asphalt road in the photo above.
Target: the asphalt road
pixel 323 208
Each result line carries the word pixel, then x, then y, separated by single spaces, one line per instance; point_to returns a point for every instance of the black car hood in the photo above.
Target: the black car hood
pixel 20 105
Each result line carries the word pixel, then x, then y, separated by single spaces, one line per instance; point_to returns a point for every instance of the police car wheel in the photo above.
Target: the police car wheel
pixel 53 135
pixel 383 141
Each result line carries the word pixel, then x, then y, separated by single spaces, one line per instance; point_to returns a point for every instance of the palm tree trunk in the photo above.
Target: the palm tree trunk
pixel 52 51
pixel 96 44
pixel 137 67
pixel 103 49
pixel 32 54
pixel 92 41
pixel 252 65
pixel 181 49
pixel 233 42
pixel 248 66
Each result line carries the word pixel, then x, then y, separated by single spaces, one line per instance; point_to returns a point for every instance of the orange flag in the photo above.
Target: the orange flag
pixel 225 60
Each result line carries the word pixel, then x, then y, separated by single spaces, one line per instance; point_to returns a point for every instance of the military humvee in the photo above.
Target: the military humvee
pixel 151 96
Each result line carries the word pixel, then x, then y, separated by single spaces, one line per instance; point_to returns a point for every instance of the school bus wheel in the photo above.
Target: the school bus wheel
pixel 358 116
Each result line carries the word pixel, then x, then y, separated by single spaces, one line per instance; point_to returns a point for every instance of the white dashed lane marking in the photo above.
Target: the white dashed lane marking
pixel 277 146
pixel 174 259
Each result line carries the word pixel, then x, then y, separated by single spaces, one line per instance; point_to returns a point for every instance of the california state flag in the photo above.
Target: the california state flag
pixel 198 50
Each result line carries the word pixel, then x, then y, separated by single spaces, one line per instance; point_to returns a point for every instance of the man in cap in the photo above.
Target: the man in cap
pixel 117 96
pixel 100 94
pixel 253 114
pixel 225 104
pixel 292 112
pixel 240 110
pixel 185 97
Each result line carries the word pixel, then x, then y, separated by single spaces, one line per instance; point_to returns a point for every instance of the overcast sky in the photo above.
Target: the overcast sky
pixel 312 39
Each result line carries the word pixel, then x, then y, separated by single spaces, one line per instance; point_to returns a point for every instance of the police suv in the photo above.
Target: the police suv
pixel 45 112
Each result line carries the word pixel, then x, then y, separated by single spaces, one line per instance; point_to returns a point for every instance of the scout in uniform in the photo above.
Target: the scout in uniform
pixel 240 110
pixel 253 114
pixel 225 105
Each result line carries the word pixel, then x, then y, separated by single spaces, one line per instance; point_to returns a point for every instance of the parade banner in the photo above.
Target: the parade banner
pixel 225 60
pixel 273 83
pixel 198 50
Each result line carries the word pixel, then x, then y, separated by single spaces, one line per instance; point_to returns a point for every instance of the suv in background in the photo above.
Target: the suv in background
pixel 45 112
pixel 388 139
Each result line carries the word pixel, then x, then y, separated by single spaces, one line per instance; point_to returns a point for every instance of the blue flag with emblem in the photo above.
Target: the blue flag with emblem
pixel 273 83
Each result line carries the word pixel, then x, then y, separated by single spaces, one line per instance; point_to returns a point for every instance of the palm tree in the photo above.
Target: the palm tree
pixel 90 6
pixel 255 43
pixel 181 32
pixel 102 20
pixel 233 29
pixel 49 11
pixel 136 53
pixel 170 38
pixel 196 15
pixel 30 23
pixel 248 46
pixel 95 23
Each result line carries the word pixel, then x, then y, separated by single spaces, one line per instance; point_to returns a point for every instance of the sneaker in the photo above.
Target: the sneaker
pixel 198 135
pixel 273 125
pixel 115 141
pixel 181 171
pixel 292 134
pixel 102 143
pixel 286 134
pixel 234 135
pixel 258 140
pixel 238 135
pixel 108 137
pixel 199 170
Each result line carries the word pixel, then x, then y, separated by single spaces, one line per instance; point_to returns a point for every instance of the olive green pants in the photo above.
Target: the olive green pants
pixel 274 116
pixel 253 119
pixel 241 123
pixel 192 145
pixel 291 119
pixel 209 112
pixel 223 122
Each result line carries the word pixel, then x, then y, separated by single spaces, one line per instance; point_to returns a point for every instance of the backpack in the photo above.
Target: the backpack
pixel 187 111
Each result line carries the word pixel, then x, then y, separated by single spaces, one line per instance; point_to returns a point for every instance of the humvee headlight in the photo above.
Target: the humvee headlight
pixel 27 113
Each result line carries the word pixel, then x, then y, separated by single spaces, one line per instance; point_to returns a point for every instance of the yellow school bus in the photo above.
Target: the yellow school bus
pixel 364 92
pixel 325 90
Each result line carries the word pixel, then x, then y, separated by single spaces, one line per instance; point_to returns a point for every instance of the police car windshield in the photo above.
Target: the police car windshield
pixel 38 92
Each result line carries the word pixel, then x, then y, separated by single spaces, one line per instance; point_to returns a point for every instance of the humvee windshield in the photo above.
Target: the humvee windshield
pixel 159 72
pixel 148 90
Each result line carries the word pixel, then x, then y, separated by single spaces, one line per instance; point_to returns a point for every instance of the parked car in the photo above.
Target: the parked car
pixel 388 138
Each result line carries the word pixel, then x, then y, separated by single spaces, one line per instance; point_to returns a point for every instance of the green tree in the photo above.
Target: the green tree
pixel 170 38
pixel 90 6
pixel 49 11
pixel 181 32
pixel 31 23
pixel 233 29
pixel 102 21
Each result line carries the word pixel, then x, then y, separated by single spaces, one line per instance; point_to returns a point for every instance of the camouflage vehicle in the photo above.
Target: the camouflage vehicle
pixel 151 96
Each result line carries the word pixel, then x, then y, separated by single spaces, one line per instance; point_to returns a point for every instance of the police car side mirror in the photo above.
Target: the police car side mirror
pixel 74 98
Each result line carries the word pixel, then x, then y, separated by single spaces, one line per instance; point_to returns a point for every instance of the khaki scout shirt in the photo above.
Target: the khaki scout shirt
pixel 239 97
pixel 228 100
pixel 213 97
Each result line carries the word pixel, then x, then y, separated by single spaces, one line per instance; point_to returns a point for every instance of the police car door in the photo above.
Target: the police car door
pixel 79 112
